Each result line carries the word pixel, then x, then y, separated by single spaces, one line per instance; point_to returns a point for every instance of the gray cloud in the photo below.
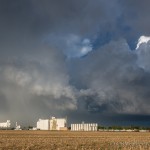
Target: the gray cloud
pixel 144 55
pixel 30 84
pixel 137 15
pixel 114 79
pixel 71 58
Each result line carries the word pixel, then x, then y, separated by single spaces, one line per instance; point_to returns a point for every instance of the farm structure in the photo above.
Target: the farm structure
pixel 84 127
pixel 43 124
pixel 58 123
pixel 52 124
pixel 5 124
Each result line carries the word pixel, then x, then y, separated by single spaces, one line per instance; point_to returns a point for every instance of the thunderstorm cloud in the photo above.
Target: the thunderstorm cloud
pixel 88 60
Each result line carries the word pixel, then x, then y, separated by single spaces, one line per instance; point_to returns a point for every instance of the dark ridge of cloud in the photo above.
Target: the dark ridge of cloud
pixel 109 119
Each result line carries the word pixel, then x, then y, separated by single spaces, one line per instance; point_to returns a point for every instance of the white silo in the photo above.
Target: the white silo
pixel 43 124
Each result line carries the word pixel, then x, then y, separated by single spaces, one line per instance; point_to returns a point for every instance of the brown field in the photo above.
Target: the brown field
pixel 67 140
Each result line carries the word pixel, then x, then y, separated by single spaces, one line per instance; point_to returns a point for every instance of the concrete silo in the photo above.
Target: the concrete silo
pixel 84 127
pixel 43 124
pixel 58 123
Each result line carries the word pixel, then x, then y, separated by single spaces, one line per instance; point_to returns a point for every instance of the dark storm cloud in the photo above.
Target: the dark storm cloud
pixel 136 13
pixel 134 19
pixel 31 20
pixel 114 81
pixel 42 68
pixel 24 23
pixel 34 87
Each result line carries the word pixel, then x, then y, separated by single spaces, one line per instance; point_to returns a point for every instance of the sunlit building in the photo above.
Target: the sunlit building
pixel 5 124
pixel 43 124
pixel 84 127
pixel 58 123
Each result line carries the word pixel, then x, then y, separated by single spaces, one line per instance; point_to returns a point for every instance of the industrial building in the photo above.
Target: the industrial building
pixel 43 124
pixel 84 127
pixel 5 124
pixel 52 124
pixel 58 123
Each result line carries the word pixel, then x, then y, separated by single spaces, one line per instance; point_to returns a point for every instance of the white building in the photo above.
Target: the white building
pixel 58 123
pixel 84 127
pixel 5 124
pixel 43 124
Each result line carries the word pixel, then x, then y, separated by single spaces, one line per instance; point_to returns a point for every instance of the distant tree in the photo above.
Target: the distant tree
pixel 12 128
pixel 30 127
pixel 117 127
pixel 101 127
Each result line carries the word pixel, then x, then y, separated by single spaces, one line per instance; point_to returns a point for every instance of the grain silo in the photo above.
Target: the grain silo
pixel 43 124
pixel 58 123
pixel 84 127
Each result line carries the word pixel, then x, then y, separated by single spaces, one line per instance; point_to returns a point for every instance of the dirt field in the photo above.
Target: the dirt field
pixel 49 140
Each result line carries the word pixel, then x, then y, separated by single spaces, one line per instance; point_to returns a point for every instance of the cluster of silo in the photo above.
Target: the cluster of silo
pixel 84 127
pixel 52 124
pixel 58 123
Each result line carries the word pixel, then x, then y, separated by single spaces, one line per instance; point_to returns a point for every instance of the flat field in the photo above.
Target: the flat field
pixel 67 140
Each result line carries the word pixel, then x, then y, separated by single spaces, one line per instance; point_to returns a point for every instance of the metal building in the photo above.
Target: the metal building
pixel 5 124
pixel 43 124
pixel 84 127
pixel 58 123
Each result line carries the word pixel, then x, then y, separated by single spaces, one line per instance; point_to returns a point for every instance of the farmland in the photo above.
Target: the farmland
pixel 67 140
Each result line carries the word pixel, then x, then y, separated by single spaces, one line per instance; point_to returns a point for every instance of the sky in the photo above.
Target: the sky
pixel 88 60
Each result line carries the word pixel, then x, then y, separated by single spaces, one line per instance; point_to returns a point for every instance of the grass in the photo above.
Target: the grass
pixel 67 140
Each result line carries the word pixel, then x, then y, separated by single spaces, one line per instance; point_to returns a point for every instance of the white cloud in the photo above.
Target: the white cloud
pixel 86 47
pixel 143 52
pixel 142 39
pixel 72 45
pixel 77 47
